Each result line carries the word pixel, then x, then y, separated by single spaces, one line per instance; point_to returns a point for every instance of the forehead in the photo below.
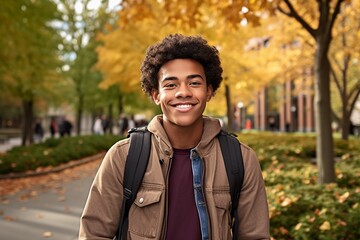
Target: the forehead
pixel 181 67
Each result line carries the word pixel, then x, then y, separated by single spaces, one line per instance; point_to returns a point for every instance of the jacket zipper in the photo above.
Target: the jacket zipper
pixel 164 228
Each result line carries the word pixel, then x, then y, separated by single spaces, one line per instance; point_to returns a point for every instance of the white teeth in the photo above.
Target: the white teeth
pixel 183 106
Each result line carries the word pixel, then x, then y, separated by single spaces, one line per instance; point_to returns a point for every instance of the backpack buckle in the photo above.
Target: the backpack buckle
pixel 137 129
pixel 127 193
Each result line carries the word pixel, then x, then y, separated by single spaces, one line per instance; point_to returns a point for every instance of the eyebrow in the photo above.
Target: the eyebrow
pixel 192 76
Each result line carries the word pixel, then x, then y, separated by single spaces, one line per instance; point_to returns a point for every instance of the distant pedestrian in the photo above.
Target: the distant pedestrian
pixel 123 125
pixel 132 123
pixel 68 127
pixel 248 124
pixel 38 131
pixel 65 128
pixel 98 128
pixel 105 124
pixel 53 127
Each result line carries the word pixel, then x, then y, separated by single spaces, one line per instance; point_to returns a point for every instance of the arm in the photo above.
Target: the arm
pixel 253 207
pixel 100 217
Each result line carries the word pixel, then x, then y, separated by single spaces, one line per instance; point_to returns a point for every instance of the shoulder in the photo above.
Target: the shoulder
pixel 252 168
pixel 116 155
pixel 246 149
pixel 120 147
pixel 249 155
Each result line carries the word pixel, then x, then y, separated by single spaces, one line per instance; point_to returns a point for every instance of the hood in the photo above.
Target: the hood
pixel 211 128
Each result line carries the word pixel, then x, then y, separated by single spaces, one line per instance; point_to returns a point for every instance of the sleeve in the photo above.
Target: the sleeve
pixel 253 207
pixel 100 217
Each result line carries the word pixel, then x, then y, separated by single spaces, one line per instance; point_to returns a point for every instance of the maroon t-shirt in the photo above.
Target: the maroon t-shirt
pixel 183 219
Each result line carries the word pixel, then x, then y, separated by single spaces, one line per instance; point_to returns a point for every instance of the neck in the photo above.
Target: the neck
pixel 184 137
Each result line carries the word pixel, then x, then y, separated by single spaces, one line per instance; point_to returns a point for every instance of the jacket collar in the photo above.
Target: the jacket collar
pixel 211 129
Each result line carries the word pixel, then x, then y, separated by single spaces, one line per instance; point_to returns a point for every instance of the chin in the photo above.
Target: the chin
pixel 186 121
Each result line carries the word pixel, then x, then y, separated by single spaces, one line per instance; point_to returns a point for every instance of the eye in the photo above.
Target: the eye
pixel 170 85
pixel 195 83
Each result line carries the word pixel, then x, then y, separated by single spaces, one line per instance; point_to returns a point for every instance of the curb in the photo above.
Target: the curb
pixel 62 167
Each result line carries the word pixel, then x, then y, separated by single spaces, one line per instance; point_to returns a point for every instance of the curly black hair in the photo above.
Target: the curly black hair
pixel 177 46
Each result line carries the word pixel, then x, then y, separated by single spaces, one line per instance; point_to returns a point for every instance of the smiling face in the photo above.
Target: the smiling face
pixel 183 93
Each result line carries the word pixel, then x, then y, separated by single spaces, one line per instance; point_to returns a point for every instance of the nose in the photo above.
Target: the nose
pixel 183 91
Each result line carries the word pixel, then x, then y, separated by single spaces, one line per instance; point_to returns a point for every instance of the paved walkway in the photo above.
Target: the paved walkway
pixel 50 208
pixel 12 142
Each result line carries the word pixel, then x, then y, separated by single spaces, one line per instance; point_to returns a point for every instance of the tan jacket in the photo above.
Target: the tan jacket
pixel 147 218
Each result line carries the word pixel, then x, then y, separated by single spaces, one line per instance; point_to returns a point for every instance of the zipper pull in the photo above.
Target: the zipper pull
pixel 194 154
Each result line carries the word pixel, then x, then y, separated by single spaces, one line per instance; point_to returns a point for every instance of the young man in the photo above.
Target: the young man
pixel 185 191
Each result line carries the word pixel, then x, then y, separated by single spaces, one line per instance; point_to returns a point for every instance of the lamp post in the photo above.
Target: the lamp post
pixel 242 115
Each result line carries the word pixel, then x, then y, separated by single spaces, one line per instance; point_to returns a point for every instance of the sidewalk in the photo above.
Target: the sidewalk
pixel 12 142
pixel 50 209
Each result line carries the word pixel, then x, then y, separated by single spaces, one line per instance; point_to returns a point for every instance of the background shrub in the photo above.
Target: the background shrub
pixel 54 152
pixel 299 207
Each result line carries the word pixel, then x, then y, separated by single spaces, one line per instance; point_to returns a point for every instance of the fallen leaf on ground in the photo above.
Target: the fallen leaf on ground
pixel 47 234
pixel 9 218
pixel 325 226
pixel 45 182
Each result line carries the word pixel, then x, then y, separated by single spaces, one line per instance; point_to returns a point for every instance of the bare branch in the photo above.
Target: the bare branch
pixel 293 13
pixel 283 11
pixel 335 13
pixel 338 65
pixel 308 43
pixel 356 92
pixel 336 79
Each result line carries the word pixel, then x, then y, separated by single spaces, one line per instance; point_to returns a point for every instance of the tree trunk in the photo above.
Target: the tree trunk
pixel 120 104
pixel 345 128
pixel 322 36
pixel 229 109
pixel 110 118
pixel 324 139
pixel 79 115
pixel 27 123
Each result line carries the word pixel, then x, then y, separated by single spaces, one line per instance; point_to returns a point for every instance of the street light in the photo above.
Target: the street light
pixel 240 106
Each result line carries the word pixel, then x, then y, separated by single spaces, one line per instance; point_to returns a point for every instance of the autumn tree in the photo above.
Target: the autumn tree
pixel 29 53
pixel 344 58
pixel 81 20
pixel 120 55
pixel 322 34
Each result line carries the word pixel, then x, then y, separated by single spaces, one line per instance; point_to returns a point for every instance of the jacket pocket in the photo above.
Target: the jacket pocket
pixel 222 204
pixel 144 215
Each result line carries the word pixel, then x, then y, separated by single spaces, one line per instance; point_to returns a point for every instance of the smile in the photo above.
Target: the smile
pixel 183 106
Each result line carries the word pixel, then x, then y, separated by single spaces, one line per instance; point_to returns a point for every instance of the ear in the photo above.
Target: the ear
pixel 155 96
pixel 209 93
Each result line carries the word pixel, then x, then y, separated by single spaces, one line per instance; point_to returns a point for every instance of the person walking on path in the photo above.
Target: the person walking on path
pixel 65 127
pixel 38 131
pixel 98 127
pixel 181 74
pixel 53 127
pixel 123 125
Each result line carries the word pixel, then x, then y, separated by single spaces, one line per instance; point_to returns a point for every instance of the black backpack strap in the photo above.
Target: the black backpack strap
pixel 231 151
pixel 135 167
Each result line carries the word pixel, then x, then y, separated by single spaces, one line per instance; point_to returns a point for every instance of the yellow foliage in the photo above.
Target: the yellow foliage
pixel 248 63
pixel 325 226
pixel 343 197
pixel 298 226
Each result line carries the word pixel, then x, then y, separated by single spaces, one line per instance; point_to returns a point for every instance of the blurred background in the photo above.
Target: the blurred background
pixel 70 88
pixel 71 61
